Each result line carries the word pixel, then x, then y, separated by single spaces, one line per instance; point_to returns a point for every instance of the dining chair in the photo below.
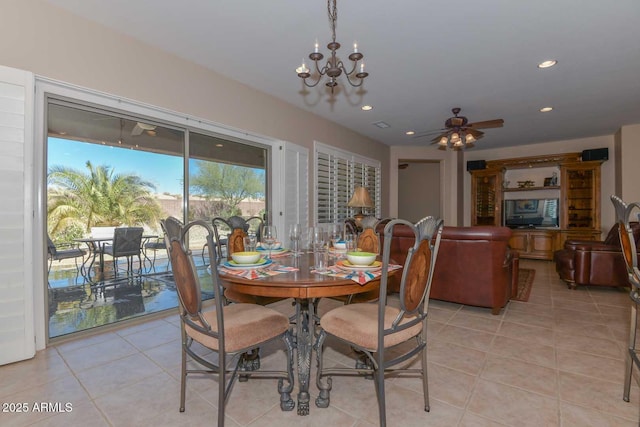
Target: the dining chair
pixel 127 242
pixel 388 336
pixel 624 213
pixel 229 330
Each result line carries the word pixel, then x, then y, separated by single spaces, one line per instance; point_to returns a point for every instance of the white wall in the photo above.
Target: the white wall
pixel 414 205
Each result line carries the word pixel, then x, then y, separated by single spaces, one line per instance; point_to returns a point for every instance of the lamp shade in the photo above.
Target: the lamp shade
pixel 360 199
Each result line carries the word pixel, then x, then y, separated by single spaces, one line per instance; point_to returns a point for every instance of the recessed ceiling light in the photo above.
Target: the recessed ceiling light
pixel 548 63
pixel 219 145
pixel 546 109
pixel 367 108
pixel 410 132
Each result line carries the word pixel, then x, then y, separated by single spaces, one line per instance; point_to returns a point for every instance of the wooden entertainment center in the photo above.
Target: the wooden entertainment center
pixel 574 183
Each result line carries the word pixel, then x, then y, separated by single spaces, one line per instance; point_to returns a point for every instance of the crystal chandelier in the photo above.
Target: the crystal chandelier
pixel 334 66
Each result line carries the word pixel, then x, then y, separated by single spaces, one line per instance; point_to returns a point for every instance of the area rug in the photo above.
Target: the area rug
pixel 525 282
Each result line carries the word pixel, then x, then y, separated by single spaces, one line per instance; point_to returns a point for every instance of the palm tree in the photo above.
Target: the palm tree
pixel 99 197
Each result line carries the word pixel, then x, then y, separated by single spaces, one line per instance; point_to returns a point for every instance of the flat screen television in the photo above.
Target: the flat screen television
pixel 531 213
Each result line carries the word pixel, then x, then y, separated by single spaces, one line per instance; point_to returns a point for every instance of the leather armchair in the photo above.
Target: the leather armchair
pixel 593 262
pixel 475 265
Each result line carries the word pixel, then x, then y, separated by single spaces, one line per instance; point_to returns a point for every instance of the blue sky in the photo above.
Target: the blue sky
pixel 162 170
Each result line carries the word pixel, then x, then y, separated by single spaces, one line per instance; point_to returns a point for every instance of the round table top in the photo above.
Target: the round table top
pixel 297 284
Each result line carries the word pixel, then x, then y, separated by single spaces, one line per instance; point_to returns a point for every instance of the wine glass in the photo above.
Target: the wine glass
pixel 269 238
pixel 317 238
pixel 335 234
pixel 295 234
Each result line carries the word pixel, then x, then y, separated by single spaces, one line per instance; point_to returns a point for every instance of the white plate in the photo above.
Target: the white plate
pixel 262 263
pixel 273 251
pixel 346 265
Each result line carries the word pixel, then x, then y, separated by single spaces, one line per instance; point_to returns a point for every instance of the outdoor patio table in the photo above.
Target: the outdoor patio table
pixel 95 245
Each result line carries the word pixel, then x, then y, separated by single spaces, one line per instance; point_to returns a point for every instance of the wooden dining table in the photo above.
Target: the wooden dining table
pixel 305 287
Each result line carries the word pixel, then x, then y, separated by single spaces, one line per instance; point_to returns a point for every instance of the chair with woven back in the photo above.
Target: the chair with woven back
pixel 127 242
pixel 229 330
pixel 624 213
pixel 382 331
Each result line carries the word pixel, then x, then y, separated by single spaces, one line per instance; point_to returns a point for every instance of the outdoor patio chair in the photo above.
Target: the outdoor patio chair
pixel 229 330
pixel 127 242
pixel 155 245
pixel 381 333
pixel 65 251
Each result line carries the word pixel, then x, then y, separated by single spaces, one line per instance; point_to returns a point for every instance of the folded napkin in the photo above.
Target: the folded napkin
pixel 361 277
pixel 257 273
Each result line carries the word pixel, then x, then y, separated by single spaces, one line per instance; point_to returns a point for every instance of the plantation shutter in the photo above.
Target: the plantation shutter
pixel 17 336
pixel 337 173
pixel 296 186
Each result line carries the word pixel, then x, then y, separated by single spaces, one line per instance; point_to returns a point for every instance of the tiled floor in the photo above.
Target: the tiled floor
pixel 555 360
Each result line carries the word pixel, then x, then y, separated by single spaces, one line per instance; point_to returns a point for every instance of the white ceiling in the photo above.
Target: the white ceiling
pixel 424 58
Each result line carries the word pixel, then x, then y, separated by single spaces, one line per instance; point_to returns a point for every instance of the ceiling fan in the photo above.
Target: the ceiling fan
pixel 140 127
pixel 458 133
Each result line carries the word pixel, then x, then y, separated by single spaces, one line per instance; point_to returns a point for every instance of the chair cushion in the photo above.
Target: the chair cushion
pixel 246 326
pixel 358 323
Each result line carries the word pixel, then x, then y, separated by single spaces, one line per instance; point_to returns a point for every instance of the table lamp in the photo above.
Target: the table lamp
pixel 360 199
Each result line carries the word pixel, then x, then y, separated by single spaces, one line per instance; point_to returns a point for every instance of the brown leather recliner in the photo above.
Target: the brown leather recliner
pixel 593 262
pixel 475 265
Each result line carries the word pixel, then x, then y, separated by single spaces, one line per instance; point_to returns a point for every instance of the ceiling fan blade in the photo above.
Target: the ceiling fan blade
pixel 497 123
pixel 427 133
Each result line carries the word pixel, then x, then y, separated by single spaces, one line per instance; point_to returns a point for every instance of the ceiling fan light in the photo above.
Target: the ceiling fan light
pixel 455 138
pixel 443 141
pixel 468 139
pixel 458 144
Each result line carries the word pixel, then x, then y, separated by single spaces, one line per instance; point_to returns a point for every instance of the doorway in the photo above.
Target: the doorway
pixel 419 189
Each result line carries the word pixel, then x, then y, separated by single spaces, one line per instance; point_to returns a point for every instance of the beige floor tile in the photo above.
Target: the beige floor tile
pixel 600 395
pixel 527 376
pixel 533 334
pixel 456 357
pixel 589 344
pixel 467 337
pixel 80 416
pixel 524 350
pixel 472 420
pixel 513 406
pixel 113 376
pixel 579 416
pixel 45 367
pixel 591 365
pixel 531 319
pixel 98 354
pixel 153 337
pixel 466 320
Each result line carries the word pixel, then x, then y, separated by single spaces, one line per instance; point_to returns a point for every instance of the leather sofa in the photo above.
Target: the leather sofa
pixel 593 262
pixel 475 265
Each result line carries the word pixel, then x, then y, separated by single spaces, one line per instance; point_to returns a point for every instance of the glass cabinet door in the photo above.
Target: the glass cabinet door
pixel 582 196
pixel 487 197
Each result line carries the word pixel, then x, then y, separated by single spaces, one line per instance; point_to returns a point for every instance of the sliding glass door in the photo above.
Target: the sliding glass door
pixel 114 169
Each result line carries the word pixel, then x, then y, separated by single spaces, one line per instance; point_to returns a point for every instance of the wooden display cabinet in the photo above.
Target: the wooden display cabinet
pixel 579 190
pixel 486 188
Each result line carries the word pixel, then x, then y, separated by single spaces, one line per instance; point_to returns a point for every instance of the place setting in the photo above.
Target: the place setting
pixel 257 259
pixel 361 267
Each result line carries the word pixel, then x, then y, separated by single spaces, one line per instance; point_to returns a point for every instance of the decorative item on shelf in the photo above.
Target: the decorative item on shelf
pixel 360 199
pixel 334 66
pixel 505 184
pixel 525 184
